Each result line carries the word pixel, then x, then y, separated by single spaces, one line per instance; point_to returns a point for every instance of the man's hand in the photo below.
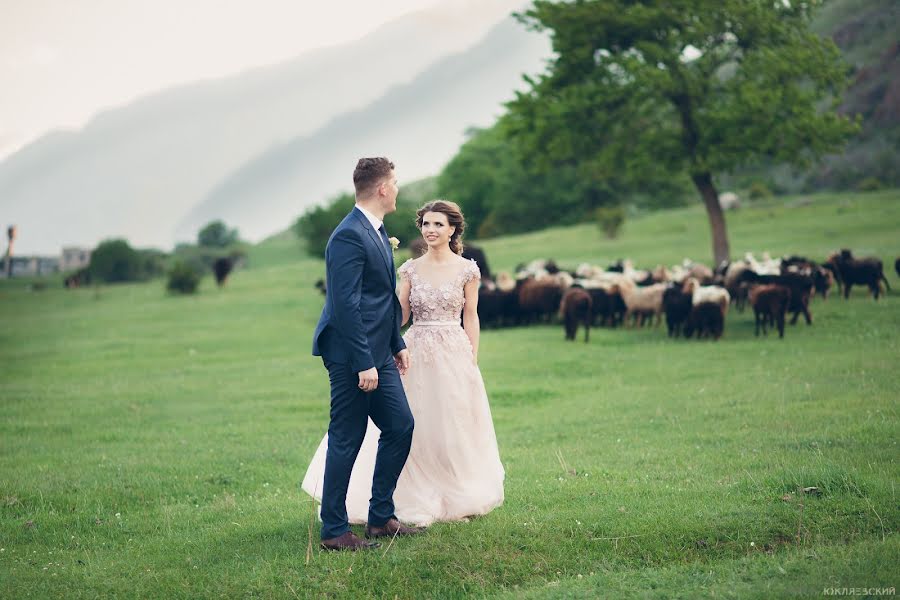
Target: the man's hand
pixel 402 361
pixel 368 379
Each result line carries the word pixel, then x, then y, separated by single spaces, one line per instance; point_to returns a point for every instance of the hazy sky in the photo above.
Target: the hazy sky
pixel 63 60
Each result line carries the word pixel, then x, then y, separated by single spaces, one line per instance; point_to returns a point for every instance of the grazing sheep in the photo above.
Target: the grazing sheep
pixel 706 320
pixel 647 299
pixel 497 307
pixel 538 300
pixel 477 254
pixel 851 271
pixel 677 306
pixel 707 293
pixel 729 201
pixel 801 287
pixel 770 302
pixel 575 308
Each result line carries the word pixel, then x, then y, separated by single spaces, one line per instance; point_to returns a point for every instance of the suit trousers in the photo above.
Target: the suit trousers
pixel 351 409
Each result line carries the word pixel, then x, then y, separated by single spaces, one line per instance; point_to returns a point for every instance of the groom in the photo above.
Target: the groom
pixel 358 338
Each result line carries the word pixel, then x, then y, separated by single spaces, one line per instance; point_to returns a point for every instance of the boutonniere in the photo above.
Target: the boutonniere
pixel 395 243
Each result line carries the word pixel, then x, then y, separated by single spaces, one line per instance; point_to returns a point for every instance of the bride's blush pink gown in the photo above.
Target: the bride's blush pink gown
pixel 453 470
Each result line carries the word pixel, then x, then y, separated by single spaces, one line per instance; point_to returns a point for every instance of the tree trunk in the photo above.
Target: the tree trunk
pixel 707 190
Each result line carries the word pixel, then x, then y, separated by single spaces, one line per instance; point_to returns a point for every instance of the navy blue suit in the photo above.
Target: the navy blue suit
pixel 360 329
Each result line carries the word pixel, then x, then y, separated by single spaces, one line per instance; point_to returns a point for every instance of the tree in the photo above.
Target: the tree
pixel 644 87
pixel 114 261
pixel 217 235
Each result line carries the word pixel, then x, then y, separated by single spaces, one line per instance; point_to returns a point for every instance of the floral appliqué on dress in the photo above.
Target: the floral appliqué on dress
pixel 443 303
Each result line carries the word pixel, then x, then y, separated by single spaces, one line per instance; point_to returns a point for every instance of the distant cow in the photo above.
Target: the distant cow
pixel 222 268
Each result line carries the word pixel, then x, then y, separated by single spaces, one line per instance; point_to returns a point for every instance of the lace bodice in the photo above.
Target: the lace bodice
pixel 442 303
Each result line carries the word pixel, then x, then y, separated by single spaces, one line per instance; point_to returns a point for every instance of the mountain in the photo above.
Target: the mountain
pixel 420 126
pixel 136 171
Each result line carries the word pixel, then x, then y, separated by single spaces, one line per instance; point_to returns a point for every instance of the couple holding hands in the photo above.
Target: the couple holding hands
pixel 410 438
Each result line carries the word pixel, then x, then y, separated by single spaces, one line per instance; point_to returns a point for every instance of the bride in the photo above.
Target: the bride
pixel 453 470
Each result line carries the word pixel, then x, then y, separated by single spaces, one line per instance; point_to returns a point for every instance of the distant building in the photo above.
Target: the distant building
pixel 25 266
pixel 74 258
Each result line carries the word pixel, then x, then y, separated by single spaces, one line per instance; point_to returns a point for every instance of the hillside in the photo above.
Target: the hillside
pixel 137 170
pixel 814 225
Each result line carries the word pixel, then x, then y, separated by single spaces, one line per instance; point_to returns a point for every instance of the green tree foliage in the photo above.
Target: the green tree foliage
pixel 314 227
pixel 217 235
pixel 644 88
pixel 503 191
pixel 113 261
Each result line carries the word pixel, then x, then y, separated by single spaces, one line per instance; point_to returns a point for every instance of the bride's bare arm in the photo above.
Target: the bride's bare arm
pixel 403 295
pixel 470 315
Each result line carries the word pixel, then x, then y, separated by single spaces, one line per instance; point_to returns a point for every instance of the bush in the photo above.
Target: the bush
pixel 610 219
pixel 759 191
pixel 114 260
pixel 869 184
pixel 183 279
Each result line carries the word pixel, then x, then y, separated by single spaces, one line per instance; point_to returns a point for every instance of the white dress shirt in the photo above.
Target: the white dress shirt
pixel 375 221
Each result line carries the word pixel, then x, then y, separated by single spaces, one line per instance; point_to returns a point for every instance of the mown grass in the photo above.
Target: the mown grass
pixel 152 446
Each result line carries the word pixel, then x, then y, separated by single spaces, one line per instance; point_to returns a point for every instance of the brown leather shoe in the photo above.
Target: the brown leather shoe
pixel 348 541
pixel 392 528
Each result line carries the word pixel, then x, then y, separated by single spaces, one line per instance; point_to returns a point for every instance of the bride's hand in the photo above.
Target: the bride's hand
pixel 401 359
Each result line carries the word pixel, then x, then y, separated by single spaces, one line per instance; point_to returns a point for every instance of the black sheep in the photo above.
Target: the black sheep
pixel 851 271
pixel 705 320
pixel 677 306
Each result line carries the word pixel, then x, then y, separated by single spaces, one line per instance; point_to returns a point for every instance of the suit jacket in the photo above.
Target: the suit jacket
pixel 360 322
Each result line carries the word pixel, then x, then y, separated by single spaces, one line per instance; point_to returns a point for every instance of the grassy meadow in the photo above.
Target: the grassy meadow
pixel 152 446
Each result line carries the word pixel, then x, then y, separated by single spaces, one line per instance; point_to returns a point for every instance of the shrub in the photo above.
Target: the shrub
pixel 183 279
pixel 869 184
pixel 759 191
pixel 114 260
pixel 610 219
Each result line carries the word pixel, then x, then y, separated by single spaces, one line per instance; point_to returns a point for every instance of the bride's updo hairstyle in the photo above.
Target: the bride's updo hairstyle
pixel 454 219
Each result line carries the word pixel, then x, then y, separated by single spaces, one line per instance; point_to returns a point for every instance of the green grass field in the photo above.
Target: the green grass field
pixel 152 446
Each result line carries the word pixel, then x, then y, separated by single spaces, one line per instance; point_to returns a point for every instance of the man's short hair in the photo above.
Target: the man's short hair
pixel 369 173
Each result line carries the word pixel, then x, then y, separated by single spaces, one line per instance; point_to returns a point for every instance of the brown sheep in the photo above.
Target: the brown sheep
pixel 770 303
pixel 538 300
pixel 576 308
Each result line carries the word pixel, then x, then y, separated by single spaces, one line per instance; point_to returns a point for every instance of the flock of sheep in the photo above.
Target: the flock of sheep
pixel 693 298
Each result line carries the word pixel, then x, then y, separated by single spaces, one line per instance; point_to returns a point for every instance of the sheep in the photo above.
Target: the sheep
pixel 647 299
pixel 497 307
pixel 729 201
pixel 706 319
pixel 822 278
pixel 677 306
pixel 538 300
pixel 770 302
pixel 707 293
pixel 477 254
pixel 575 308
pixel 860 271
pixel 801 287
